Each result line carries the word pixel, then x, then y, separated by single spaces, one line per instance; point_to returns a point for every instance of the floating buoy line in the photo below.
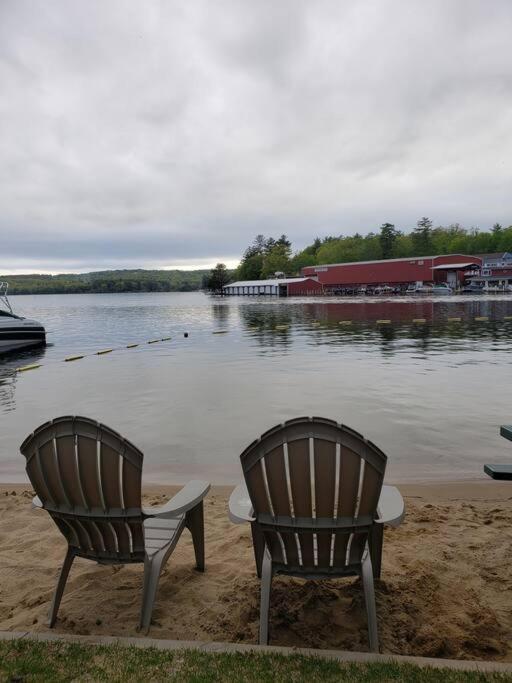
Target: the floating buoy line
pixel 102 352
pixel 252 328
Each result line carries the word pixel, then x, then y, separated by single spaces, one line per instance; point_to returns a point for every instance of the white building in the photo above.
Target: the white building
pixel 301 286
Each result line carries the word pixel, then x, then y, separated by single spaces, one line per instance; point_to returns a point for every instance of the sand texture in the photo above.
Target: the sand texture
pixel 446 587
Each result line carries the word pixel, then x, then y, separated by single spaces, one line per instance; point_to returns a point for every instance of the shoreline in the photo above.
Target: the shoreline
pixel 448 489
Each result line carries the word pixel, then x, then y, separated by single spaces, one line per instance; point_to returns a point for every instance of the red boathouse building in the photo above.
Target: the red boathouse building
pixel 453 269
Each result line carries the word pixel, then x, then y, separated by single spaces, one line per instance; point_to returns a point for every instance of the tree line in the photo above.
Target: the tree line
pixel 103 282
pixel 266 256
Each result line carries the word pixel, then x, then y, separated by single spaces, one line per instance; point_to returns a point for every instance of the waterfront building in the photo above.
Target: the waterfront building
pixel 496 271
pixel 292 286
pixel 397 273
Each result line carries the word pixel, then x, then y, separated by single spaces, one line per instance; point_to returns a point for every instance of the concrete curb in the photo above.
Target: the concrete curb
pixel 216 648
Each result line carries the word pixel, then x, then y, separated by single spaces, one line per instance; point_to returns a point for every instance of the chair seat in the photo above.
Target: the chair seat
pixel 159 533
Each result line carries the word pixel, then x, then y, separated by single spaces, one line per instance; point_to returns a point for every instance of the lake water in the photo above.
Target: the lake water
pixel 431 395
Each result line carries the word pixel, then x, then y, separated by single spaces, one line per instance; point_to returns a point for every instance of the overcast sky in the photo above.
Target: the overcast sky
pixel 159 134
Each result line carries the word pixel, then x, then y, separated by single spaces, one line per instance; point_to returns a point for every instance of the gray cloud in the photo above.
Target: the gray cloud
pixel 164 133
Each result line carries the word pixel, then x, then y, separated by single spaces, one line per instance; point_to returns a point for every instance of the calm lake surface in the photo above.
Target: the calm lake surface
pixel 431 395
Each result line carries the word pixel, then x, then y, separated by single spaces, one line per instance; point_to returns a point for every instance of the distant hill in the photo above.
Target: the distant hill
pixel 106 281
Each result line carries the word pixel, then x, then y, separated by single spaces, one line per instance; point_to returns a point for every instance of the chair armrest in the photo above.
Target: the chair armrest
pixel 391 506
pixel 190 495
pixel 36 502
pixel 240 506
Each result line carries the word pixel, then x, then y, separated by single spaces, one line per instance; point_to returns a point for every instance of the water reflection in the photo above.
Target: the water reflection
pixel 7 390
pixel 221 313
pixel 271 326
pixel 394 326
pixel 9 375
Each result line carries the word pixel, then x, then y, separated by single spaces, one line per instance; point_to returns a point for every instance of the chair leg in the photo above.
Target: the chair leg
pixel 152 569
pixel 369 597
pixel 258 542
pixel 266 583
pixel 375 542
pixel 59 588
pixel 194 521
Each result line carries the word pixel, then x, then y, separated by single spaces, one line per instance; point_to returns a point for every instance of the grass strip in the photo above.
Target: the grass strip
pixel 26 661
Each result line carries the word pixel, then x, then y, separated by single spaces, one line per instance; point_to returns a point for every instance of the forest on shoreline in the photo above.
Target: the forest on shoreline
pixel 108 281
pixel 266 256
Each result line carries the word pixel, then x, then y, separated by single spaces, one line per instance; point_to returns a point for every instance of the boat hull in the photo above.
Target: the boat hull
pixel 19 334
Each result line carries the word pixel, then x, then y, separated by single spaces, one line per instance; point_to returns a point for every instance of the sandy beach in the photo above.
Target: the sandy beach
pixel 446 587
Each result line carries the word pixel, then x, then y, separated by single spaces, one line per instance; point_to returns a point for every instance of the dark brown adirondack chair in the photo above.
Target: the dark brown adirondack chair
pixel 88 478
pixel 312 490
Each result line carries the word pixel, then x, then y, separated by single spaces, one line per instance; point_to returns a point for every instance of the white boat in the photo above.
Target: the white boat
pixel 419 289
pixel 17 333
pixel 442 289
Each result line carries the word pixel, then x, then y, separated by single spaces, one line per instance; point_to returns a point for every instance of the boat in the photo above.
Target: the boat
pixel 419 289
pixel 443 289
pixel 473 288
pixel 383 290
pixel 17 333
pixel 498 289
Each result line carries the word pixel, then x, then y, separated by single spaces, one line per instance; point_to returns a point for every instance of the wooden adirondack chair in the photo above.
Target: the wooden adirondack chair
pixel 314 497
pixel 88 478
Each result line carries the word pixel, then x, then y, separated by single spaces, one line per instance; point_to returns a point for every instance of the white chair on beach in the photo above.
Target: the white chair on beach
pixel 314 497
pixel 88 478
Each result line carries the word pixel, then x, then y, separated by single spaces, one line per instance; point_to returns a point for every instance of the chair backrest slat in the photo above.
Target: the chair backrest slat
pixel 334 477
pixel 137 537
pixel 340 548
pixel 131 484
pixel 300 477
pixel 69 531
pixel 81 527
pixel 357 544
pixel 307 549
pixel 36 476
pixel 273 543
pixel 324 542
pixel 110 477
pixel 107 536
pixel 370 491
pixel 48 464
pixel 94 534
pixel 89 479
pixel 123 537
pixel 350 468
pixel 87 450
pixel 290 546
pixel 68 467
pixel 256 484
pixel 325 477
pixel 276 478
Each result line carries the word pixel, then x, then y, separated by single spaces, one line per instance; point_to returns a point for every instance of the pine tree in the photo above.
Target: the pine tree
pixel 422 237
pixel 387 239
